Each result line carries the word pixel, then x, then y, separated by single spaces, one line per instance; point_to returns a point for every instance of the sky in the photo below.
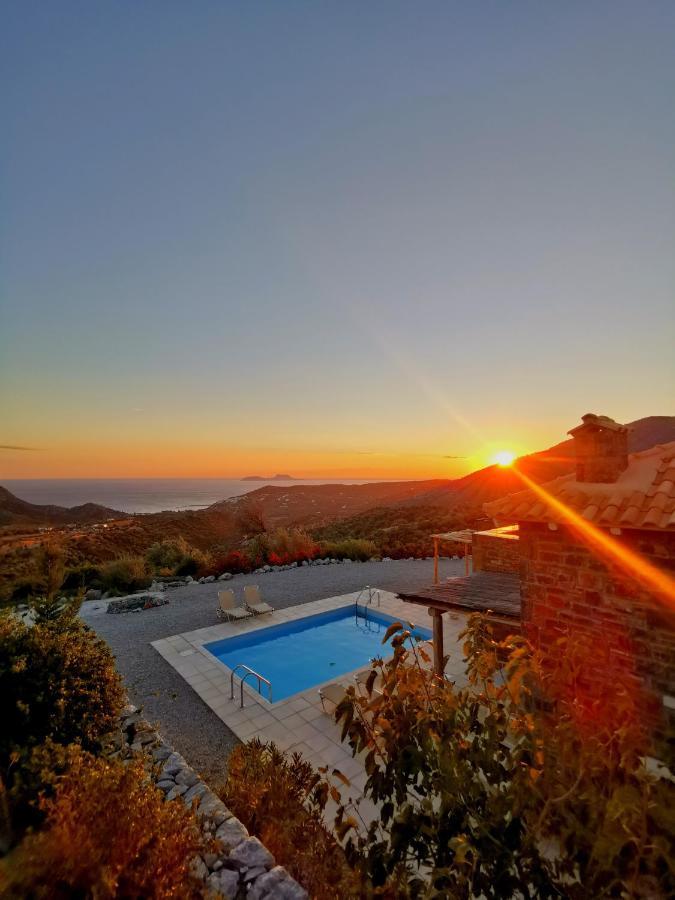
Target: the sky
pixel 337 239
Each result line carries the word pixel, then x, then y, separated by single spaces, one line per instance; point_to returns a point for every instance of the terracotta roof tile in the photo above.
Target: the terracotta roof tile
pixel 642 497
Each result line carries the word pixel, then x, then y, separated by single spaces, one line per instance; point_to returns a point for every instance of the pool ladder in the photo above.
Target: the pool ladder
pixel 372 595
pixel 261 680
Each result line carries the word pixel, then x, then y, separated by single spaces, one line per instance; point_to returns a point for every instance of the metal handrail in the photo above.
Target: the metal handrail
pixel 371 593
pixel 257 675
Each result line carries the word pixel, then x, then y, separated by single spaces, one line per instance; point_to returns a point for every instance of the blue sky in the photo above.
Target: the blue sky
pixel 352 238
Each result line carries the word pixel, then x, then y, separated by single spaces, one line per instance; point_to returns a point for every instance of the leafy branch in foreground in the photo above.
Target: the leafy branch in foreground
pixel 530 781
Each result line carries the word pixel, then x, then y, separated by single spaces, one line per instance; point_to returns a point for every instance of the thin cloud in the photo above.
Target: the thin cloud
pixel 453 457
pixel 13 447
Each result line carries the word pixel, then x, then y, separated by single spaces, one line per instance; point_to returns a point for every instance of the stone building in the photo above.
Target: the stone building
pixel 597 560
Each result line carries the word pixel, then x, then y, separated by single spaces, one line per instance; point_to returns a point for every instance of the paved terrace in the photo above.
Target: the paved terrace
pixel 187 720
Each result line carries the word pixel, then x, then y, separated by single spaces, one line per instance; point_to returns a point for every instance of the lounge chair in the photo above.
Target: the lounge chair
pixel 335 693
pixel 228 609
pixel 253 601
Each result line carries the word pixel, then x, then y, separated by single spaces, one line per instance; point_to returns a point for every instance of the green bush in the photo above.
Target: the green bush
pixel 281 800
pixel 57 681
pixel 79 577
pixel 107 834
pixel 168 554
pixel 358 549
pixel 125 575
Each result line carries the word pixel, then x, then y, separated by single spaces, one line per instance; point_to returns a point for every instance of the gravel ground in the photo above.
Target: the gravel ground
pixel 169 703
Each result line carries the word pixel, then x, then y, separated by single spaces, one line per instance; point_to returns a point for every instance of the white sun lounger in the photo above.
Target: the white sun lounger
pixel 227 607
pixel 253 601
pixel 334 693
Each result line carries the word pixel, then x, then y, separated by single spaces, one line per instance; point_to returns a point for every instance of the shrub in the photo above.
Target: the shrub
pixel 350 548
pixel 79 577
pixel 236 562
pixel 56 681
pixel 25 588
pixel 125 575
pixel 281 800
pixel 108 834
pixel 530 782
pixel 169 554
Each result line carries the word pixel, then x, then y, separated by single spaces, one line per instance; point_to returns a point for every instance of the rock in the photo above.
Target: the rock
pixel 347 561
pixel 176 791
pixel 211 859
pixel 231 833
pixel 252 874
pixel 305 562
pixel 251 853
pixel 209 579
pixel 276 884
pixel 161 752
pixel 189 579
pixel 201 580
pixel 137 602
pixel 226 576
pixel 173 765
pixel 386 559
pixel 210 805
pixel 166 785
pixel 91 594
pixel 197 790
pixel 224 882
pixel 188 777
pixel 222 815
pixel 198 868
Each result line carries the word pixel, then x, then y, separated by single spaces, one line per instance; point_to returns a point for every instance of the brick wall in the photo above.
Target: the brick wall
pixel 567 589
pixel 497 550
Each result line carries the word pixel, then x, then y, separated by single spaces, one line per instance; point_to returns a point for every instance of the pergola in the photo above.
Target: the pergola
pixel 455 537
pixel 493 593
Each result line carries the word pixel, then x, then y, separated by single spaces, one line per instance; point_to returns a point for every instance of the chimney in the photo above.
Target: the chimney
pixel 601 447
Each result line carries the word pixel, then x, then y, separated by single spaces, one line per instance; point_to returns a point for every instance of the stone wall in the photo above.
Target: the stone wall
pixel 497 550
pixel 242 867
pixel 567 589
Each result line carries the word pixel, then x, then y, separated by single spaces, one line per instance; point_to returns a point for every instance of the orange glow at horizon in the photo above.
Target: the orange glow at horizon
pixel 606 546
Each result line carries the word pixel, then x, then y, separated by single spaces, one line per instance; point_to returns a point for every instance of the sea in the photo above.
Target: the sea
pixel 146 495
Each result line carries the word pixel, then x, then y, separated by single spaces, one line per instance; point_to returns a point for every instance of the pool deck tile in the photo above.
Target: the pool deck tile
pixel 299 722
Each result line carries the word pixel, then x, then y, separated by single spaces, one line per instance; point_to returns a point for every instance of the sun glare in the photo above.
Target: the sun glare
pixel 504 458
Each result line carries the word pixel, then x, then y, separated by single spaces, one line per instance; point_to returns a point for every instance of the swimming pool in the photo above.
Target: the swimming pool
pixel 297 655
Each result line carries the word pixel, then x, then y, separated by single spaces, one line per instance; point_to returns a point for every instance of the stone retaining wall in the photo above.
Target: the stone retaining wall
pixel 243 867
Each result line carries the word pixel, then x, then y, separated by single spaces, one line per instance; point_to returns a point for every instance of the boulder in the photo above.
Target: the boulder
pixel 188 777
pixel 137 602
pixel 276 884
pixel 209 579
pixel 224 882
pixel 251 853
pixel 91 594
pixel 231 833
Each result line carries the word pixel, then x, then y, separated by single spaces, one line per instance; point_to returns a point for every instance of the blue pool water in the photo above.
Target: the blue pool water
pixel 296 655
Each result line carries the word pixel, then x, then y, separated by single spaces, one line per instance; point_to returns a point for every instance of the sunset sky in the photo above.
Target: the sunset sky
pixel 332 239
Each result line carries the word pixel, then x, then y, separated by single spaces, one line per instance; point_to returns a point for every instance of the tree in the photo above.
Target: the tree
pixel 508 787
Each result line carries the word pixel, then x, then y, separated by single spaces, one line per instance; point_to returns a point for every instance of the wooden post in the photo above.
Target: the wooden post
pixel 466 558
pixel 437 617
pixel 435 560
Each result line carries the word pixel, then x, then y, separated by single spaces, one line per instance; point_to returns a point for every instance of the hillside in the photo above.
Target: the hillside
pixel 14 511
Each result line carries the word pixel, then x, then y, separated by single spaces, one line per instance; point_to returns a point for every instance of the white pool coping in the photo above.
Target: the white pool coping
pixel 297 723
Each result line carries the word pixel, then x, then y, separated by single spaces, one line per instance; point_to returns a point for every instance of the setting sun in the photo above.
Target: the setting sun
pixel 504 458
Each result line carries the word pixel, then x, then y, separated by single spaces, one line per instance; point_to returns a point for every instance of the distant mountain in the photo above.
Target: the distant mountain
pixel 318 505
pixel 265 478
pixel 14 511
pixel 493 482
